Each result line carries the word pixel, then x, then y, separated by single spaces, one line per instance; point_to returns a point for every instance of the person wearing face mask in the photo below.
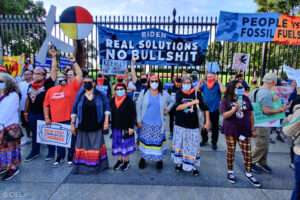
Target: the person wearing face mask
pixel 123 140
pixel 58 106
pixel 186 149
pixel 151 106
pixel 238 127
pixel 103 85
pixel 23 85
pixel 212 90
pixel 89 118
pixel 10 132
pixel 34 104
pixel 140 84
pixel 264 97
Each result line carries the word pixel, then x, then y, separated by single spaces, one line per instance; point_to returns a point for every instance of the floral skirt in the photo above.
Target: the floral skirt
pixel 186 148
pixel 152 142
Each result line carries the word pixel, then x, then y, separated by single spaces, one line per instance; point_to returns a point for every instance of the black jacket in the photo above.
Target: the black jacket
pixel 123 117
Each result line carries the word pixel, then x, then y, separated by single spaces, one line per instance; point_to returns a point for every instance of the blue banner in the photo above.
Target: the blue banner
pixel 63 62
pixel 240 27
pixel 152 46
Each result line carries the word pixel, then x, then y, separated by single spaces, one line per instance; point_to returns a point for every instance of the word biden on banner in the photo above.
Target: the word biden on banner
pixel 152 46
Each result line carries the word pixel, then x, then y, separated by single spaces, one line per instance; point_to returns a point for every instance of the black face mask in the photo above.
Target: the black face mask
pixel 88 85
pixel 143 80
pixel 120 80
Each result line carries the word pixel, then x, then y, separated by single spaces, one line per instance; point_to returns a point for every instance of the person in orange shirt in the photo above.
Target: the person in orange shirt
pixel 58 105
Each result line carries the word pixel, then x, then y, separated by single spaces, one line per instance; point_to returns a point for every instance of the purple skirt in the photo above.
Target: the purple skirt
pixel 120 146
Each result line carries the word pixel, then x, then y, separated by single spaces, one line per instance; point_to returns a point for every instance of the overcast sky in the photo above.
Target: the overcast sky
pixel 155 7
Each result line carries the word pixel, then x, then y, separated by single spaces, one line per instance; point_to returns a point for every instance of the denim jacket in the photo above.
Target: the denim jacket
pixel 102 105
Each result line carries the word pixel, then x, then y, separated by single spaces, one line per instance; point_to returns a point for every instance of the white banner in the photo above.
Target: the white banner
pixel 293 74
pixel 54 134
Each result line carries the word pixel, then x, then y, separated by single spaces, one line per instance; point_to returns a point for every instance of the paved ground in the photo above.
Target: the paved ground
pixel 38 180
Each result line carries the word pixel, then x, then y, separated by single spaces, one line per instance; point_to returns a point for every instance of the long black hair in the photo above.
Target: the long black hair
pixel 229 94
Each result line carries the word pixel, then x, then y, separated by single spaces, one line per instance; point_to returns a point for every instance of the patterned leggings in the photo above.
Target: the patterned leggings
pixel 245 146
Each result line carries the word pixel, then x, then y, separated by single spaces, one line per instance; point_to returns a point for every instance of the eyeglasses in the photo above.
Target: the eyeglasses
pixel 154 81
pixel 118 89
pixel 87 81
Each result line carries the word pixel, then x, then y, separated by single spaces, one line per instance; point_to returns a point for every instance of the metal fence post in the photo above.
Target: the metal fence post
pixel 173 31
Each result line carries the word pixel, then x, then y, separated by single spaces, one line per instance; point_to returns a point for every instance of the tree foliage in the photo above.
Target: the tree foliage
pixel 20 30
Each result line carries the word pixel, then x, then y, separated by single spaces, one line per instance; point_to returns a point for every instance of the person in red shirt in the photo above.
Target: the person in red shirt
pixel 58 105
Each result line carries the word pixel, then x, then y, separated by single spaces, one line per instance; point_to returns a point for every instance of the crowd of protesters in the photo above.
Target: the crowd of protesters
pixel 134 110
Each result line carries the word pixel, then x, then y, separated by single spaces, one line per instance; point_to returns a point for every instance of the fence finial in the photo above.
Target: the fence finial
pixel 174 12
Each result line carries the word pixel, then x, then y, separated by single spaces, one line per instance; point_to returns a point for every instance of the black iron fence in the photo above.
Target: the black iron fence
pixel 25 34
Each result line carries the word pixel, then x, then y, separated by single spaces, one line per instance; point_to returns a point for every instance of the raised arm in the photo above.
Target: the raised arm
pixel 76 69
pixel 53 72
pixel 133 72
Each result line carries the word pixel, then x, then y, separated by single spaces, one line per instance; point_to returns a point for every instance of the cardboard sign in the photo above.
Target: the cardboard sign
pixel 241 61
pixel 260 117
pixel 14 64
pixel 54 134
pixel 114 67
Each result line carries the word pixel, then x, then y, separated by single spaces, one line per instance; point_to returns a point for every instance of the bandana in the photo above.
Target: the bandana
pixel 211 82
pixel 119 101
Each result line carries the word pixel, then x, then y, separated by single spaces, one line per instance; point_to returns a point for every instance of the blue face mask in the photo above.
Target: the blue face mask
pixel 2 86
pixel 120 93
pixel 239 91
pixel 186 87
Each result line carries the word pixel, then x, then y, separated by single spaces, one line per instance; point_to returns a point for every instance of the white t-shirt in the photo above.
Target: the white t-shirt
pixel 23 89
pixel 9 107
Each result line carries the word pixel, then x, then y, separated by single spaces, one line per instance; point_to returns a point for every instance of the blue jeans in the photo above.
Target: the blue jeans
pixel 32 118
pixel 296 192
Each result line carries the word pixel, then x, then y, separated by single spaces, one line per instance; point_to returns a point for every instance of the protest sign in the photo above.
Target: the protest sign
pixel 283 92
pixel 59 44
pixel 293 74
pixel 291 122
pixel 152 46
pixel 240 61
pixel 114 67
pixel 63 62
pixel 14 64
pixel 258 27
pixel 54 134
pixel 212 67
pixel 270 124
pixel 260 117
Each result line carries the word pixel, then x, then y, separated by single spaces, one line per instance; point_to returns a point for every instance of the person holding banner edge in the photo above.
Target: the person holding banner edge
pixel 58 104
pixel 34 104
pixel 264 97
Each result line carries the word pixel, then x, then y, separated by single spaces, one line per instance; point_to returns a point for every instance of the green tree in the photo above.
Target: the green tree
pixel 281 6
pixel 20 27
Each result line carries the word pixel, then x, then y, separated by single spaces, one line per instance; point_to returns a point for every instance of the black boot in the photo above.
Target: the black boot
pixel 142 163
